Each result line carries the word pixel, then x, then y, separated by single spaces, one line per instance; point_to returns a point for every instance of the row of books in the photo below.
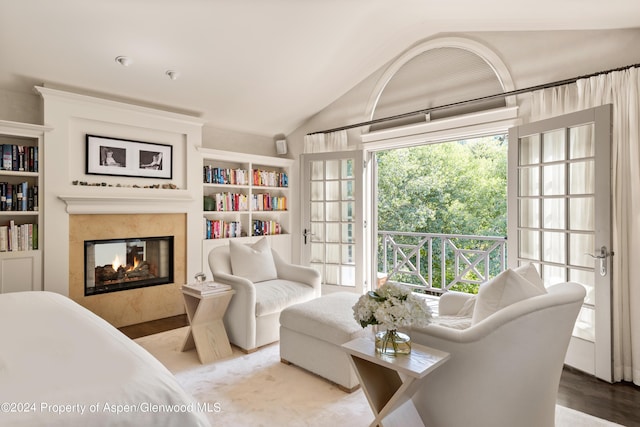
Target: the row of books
pixel 264 228
pixel 18 197
pixel 224 202
pixel 261 178
pixel 270 178
pixel 23 237
pixel 19 158
pixel 238 202
pixel 219 229
pixel 266 202
pixel 212 175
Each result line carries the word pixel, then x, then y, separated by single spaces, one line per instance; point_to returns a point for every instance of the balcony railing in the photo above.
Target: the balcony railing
pixel 436 263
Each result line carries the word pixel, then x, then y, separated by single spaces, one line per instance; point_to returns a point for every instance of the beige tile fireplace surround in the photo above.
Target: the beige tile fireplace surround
pixel 134 305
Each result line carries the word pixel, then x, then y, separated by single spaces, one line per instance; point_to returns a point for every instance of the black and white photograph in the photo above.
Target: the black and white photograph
pixel 123 157
pixel 150 160
pixel 112 156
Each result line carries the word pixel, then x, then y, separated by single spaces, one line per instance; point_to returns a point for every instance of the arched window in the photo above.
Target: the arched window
pixel 436 73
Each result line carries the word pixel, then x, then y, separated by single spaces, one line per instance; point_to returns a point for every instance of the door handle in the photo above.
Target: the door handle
pixel 307 233
pixel 602 256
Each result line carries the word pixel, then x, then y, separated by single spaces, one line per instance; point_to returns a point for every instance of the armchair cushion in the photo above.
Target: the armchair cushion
pixel 272 296
pixel 503 290
pixel 253 262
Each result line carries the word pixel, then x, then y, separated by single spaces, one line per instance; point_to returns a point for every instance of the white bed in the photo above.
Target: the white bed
pixel 62 365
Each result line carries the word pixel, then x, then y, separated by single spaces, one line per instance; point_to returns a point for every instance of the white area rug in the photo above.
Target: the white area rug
pixel 257 390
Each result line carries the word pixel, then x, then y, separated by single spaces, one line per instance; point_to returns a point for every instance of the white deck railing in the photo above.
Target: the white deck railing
pixel 437 262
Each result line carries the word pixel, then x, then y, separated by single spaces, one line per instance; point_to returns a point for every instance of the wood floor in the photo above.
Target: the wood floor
pixel 619 402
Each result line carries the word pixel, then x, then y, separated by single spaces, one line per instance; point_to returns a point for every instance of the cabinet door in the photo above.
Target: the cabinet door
pixel 20 272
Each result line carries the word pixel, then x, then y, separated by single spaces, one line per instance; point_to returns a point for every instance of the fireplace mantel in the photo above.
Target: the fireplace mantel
pixel 103 201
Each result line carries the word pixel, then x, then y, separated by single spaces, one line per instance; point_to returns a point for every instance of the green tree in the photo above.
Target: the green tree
pixel 450 188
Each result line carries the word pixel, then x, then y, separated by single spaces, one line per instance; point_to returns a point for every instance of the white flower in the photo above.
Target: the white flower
pixel 393 306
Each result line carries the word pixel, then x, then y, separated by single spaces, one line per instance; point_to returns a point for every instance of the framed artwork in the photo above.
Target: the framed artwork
pixel 123 157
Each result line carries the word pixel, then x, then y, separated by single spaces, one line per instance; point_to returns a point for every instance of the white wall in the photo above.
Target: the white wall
pixel 20 107
pixel 222 139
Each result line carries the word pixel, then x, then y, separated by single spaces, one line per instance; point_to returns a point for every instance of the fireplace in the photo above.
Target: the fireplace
pixel 119 264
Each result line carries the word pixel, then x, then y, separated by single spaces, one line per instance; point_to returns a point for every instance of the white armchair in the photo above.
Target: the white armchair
pixel 505 368
pixel 265 285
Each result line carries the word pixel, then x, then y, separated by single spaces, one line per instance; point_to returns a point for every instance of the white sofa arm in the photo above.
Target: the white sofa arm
pixel 297 273
pixel 239 284
pixel 451 302
pixel 240 319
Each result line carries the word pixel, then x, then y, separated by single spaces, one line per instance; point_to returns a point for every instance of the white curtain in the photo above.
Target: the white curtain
pixel 325 142
pixel 622 89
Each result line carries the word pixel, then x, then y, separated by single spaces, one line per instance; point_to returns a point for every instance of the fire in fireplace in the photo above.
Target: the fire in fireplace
pixel 119 264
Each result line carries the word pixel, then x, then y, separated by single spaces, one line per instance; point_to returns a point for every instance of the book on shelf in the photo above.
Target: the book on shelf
pixel 18 237
pixel 220 229
pixel 21 158
pixel 4 238
pixel 265 228
pixel 7 157
pixel 205 288
pixel 214 175
pixel 18 197
pixel 263 178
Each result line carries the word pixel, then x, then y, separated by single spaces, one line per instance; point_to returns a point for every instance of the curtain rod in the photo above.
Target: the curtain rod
pixel 471 101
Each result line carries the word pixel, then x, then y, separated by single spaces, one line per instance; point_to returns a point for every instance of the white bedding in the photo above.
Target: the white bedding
pixel 62 365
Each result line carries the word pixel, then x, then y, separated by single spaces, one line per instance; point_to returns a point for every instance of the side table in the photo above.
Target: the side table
pixel 206 331
pixel 389 382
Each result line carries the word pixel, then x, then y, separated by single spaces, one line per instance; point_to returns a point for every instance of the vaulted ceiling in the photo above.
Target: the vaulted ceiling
pixel 257 66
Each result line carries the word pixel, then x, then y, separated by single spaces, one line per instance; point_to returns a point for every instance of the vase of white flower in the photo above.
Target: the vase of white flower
pixel 392 343
pixel 392 306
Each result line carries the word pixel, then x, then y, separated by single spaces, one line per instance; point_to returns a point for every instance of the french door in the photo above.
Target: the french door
pixel 333 218
pixel 560 219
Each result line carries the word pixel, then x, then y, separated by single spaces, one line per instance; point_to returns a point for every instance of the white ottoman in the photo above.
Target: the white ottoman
pixel 312 332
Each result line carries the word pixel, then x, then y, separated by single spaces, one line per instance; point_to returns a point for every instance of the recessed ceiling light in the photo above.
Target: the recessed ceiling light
pixel 125 61
pixel 173 75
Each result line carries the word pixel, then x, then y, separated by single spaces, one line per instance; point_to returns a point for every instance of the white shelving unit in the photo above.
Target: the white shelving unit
pixel 252 192
pixel 21 267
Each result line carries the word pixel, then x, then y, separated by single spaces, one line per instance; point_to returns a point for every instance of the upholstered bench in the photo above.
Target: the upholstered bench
pixel 312 332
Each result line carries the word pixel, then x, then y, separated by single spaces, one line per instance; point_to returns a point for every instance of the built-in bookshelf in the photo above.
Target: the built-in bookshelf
pixel 245 197
pixel 20 206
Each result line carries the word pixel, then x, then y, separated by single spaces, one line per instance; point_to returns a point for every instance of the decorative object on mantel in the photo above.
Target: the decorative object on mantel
pixel 391 306
pixel 123 157
pixel 104 184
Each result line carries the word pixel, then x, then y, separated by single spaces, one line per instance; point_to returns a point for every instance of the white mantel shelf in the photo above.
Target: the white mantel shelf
pixel 128 202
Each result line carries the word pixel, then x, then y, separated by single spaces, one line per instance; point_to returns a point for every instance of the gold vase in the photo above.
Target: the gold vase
pixel 392 343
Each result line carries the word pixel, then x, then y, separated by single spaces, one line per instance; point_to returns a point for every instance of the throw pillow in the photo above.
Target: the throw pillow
pixel 468 307
pixel 253 262
pixel 529 272
pixel 503 290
